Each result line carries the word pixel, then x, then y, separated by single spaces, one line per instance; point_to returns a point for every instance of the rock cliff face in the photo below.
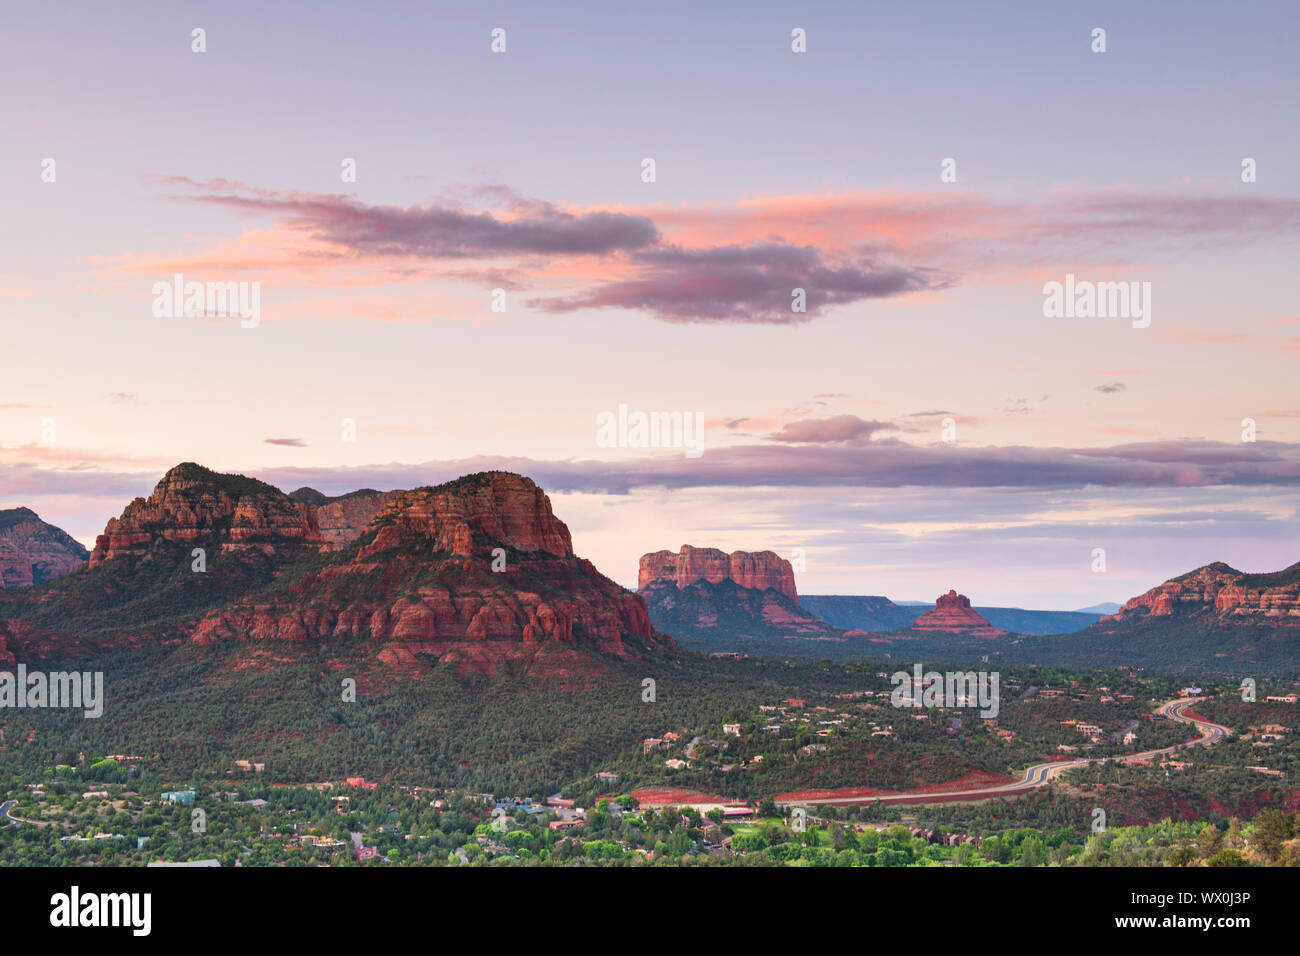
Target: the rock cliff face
pixel 952 614
pixel 193 503
pixel 482 559
pixel 507 509
pixel 704 595
pixel 1224 593
pixel 340 520
pixel 756 570
pixel 33 552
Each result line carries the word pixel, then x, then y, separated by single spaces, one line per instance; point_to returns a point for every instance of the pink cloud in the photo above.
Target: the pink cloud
pixel 736 262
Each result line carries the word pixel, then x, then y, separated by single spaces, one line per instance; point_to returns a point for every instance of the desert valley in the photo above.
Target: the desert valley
pixel 435 676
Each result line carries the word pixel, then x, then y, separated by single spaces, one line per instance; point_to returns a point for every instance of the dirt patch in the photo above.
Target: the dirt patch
pixel 972 780
pixel 670 796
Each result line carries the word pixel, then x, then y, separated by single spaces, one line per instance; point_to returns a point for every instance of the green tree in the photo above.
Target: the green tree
pixel 1209 841
pixel 1033 852
pixel 1272 829
pixel 1226 858
pixel 1181 856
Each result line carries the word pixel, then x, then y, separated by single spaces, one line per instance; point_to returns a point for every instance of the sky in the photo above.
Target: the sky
pixel 501 272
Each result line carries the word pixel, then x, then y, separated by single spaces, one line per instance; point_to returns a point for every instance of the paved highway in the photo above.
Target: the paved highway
pixel 1040 773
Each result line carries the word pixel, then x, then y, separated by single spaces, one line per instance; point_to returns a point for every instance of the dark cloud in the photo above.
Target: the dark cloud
pixel 752 283
pixel 437 232
pixel 1110 387
pixel 287 442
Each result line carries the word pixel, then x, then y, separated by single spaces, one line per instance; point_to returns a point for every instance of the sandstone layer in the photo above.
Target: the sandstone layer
pixel 757 570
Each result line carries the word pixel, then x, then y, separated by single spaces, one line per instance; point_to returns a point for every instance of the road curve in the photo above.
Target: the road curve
pixel 1039 773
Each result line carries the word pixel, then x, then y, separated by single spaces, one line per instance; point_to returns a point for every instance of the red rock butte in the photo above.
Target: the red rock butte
pixel 749 569
pixel 952 614
pixel 473 571
pixel 421 576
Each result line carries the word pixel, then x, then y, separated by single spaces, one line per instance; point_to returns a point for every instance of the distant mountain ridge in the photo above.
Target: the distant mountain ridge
pixel 860 612
pixel 875 613
pixel 1105 607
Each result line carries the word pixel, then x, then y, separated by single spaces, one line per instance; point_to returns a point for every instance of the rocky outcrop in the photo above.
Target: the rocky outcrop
pixel 32 641
pixel 33 552
pixel 340 520
pixel 756 570
pixel 192 503
pixel 1224 593
pixel 952 614
pixel 479 560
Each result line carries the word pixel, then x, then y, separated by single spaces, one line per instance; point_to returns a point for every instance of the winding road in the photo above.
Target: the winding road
pixel 7 812
pixel 1040 773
